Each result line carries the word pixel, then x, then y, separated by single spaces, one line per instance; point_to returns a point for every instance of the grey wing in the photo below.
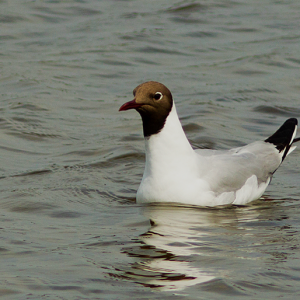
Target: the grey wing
pixel 229 170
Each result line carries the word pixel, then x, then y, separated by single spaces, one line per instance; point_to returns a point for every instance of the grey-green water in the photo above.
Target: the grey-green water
pixel 71 163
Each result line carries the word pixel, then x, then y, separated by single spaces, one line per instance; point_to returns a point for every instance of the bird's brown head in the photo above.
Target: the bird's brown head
pixel 154 102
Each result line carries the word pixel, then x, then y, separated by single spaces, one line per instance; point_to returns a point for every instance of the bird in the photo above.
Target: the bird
pixel 176 173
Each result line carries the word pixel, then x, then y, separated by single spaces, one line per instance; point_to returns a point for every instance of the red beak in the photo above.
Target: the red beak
pixel 130 105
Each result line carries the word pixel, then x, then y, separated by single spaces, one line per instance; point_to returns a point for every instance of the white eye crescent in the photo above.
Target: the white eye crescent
pixel 158 96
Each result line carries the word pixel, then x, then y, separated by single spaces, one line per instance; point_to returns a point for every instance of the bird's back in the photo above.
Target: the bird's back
pixel 228 171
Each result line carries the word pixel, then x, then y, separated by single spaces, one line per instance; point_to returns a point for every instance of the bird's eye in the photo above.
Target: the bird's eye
pixel 158 96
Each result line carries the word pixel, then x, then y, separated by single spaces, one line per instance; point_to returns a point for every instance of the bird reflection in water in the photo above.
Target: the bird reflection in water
pixel 182 244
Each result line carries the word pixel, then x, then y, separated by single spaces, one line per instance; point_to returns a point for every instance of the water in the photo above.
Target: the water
pixel 71 163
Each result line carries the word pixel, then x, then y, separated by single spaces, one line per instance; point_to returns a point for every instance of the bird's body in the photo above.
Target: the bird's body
pixel 175 172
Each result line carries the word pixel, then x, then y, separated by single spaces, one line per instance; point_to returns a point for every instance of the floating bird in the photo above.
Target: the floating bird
pixel 175 172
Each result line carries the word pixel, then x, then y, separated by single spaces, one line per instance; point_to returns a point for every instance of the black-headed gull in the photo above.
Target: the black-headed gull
pixel 175 172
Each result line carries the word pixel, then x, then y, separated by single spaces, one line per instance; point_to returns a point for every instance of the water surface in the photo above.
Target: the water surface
pixel 71 163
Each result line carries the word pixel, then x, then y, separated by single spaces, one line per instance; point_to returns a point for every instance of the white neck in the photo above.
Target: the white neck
pixel 169 150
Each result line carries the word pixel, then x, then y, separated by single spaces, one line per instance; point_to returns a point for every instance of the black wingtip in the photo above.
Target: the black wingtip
pixel 296 140
pixel 283 137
